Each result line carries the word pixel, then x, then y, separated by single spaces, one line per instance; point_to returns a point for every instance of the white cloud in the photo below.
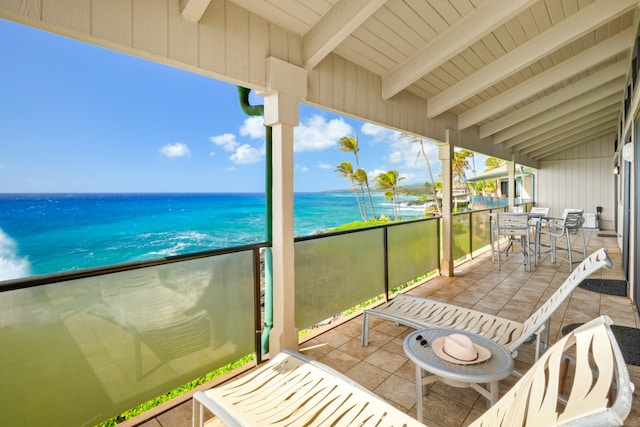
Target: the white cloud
pixel 227 141
pixel 407 154
pixel 302 168
pixel 246 154
pixel 372 174
pixel 253 127
pixel 322 165
pixel 379 133
pixel 175 150
pixel 316 134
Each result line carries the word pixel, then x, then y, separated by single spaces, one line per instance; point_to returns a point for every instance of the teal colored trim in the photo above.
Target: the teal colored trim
pixel 258 110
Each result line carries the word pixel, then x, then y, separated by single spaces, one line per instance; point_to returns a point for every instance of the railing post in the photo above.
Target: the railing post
pixel 385 250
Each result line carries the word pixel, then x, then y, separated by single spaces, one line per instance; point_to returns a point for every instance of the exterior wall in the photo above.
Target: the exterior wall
pixel 581 177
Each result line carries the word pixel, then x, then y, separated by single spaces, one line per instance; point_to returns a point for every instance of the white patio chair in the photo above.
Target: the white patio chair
pixel 535 215
pixel 515 227
pixel 570 224
pixel 295 390
pixel 420 312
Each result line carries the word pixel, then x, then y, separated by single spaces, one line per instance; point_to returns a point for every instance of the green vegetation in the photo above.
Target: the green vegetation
pixel 360 224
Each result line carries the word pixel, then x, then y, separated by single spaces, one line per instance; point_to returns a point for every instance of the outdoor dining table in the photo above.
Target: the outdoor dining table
pixel 535 225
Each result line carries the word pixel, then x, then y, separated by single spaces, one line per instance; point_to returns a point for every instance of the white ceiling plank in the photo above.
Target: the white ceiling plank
pixel 558 146
pixel 471 27
pixel 563 71
pixel 277 14
pixel 565 32
pixel 568 144
pixel 555 128
pixel 192 10
pixel 566 120
pixel 607 131
pixel 616 74
pixel 603 95
pixel 593 126
pixel 334 27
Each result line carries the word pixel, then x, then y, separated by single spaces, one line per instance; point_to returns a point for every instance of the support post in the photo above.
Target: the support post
pixel 286 84
pixel 511 181
pixel 445 154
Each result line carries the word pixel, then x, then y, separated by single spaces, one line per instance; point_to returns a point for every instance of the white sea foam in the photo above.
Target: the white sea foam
pixel 12 266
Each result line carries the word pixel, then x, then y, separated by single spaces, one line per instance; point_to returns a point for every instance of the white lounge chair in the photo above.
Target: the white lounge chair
pixel 294 390
pixel 420 312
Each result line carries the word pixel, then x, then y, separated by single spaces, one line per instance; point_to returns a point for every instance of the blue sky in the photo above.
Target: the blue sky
pixel 80 118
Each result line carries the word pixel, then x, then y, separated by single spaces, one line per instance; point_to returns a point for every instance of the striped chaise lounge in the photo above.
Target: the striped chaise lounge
pixel 294 390
pixel 420 312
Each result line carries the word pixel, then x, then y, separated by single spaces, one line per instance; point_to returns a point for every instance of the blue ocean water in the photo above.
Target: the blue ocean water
pixel 49 233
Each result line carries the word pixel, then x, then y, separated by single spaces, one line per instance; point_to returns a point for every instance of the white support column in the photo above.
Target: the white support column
pixel 286 84
pixel 511 183
pixel 445 154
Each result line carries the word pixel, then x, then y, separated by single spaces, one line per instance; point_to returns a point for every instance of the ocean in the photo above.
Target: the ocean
pixel 50 233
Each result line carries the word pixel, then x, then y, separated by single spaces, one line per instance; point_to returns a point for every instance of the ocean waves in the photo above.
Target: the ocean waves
pixel 12 265
pixel 50 233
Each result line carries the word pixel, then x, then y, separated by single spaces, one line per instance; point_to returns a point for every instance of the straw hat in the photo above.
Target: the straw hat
pixel 459 349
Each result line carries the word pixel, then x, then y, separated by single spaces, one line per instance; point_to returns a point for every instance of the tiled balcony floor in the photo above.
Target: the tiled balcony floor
pixel 512 292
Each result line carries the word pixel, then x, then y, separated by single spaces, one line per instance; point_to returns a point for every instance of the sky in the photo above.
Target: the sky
pixel 75 117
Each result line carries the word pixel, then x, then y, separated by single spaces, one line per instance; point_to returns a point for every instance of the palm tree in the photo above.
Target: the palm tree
pixel 350 145
pixel 492 163
pixel 460 164
pixel 345 170
pixel 389 181
pixel 362 181
pixel 421 151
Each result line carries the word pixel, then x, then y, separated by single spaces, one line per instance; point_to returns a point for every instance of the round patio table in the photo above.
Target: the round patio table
pixel 430 368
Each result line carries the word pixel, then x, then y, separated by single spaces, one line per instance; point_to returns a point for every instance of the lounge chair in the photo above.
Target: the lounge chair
pixel 420 312
pixel 294 390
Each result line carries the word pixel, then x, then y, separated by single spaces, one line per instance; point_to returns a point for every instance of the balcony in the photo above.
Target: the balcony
pixel 383 368
pixel 84 346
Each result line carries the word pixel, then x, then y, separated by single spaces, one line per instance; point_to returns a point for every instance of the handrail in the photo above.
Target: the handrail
pixel 47 279
pixel 99 298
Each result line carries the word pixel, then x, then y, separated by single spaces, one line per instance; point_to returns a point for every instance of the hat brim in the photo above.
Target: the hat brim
pixel 438 348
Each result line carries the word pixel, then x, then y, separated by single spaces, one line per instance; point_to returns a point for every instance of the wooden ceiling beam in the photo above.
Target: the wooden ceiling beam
pixel 334 27
pixel 566 120
pixel 570 137
pixel 192 10
pixel 580 139
pixel 487 17
pixel 577 125
pixel 566 31
pixel 607 94
pixel 545 80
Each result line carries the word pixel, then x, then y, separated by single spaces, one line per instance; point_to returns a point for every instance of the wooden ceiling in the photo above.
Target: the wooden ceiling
pixel 536 76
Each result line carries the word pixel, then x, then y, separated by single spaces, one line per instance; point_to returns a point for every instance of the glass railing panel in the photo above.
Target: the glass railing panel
pixel 336 273
pixel 412 250
pixel 461 236
pixel 481 231
pixel 76 353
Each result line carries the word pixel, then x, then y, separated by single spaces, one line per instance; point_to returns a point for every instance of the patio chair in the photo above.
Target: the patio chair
pixel 555 228
pixel 420 312
pixel 515 227
pixel 295 390
pixel 535 215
